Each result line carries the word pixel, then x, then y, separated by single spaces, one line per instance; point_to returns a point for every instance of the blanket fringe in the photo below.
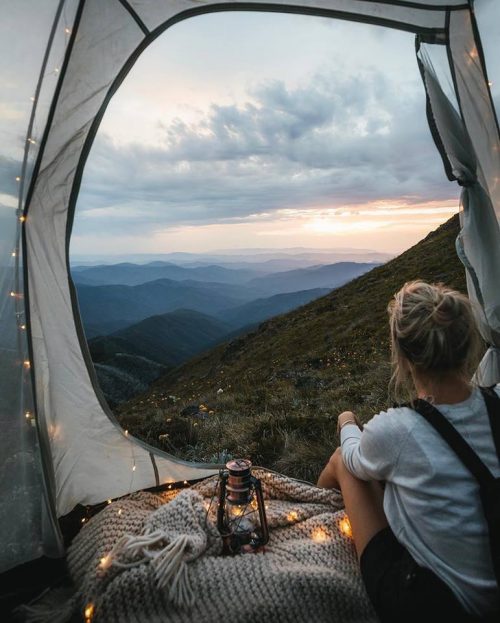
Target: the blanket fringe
pixel 170 568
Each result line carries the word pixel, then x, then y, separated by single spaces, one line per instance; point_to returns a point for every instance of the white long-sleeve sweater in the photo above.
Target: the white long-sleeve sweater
pixel 431 501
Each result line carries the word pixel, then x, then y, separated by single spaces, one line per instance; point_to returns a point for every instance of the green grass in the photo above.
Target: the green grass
pixel 285 383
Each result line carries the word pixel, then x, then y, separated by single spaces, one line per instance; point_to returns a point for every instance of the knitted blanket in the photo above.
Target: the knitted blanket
pixel 157 557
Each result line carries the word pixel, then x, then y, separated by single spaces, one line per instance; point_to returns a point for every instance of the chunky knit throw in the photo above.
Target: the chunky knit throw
pixel 157 557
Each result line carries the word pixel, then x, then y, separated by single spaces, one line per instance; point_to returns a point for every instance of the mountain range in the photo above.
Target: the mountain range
pixel 108 308
pixel 139 326
pixel 135 274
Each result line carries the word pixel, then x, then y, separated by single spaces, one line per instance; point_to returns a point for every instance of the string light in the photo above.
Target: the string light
pixel 186 482
pixel 18 178
pixel 88 613
pixel 83 520
pixel 105 562
pixel 319 535
pixel 490 83
pixel 134 468
pixel 67 31
pixel 12 293
pixel 27 415
pixel 345 527
pixel 27 364
pixel 13 254
pixel 22 218
pixel 292 516
pixel 56 70
pixel 22 327
pixel 109 501
pixel 126 433
pixel 119 511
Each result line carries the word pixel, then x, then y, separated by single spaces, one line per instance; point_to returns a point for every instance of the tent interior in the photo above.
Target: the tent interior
pixel 61 446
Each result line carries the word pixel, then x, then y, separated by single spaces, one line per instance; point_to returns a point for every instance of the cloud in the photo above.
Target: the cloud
pixel 338 139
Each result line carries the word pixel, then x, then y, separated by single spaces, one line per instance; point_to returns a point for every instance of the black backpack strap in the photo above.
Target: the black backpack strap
pixel 456 442
pixel 493 405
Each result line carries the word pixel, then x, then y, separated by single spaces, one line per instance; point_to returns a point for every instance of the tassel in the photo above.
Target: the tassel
pixel 170 568
pixel 135 548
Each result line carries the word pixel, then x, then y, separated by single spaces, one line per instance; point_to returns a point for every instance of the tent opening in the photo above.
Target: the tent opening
pixel 238 174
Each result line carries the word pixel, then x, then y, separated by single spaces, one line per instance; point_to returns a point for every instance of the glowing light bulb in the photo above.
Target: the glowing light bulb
pixel 490 83
pixel 32 98
pixel 235 510
pixel 18 178
pixel 27 364
pixel 319 535
pixel 126 433
pixel 22 327
pixel 27 415
pixel 105 562
pixel 67 31
pixel 22 218
pixel 292 516
pixel 56 70
pixel 88 613
pixel 13 254
pixel 83 520
pixel 109 501
pixel 186 482
pixel 12 293
pixel 134 468
pixel 120 511
pixel 345 527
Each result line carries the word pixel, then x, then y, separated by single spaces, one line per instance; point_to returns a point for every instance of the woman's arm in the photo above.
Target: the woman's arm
pixel 329 476
pixel 372 454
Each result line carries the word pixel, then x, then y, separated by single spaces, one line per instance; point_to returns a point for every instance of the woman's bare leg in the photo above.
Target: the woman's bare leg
pixel 363 501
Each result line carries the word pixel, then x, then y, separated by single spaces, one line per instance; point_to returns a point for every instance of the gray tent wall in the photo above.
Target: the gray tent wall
pixel 85 456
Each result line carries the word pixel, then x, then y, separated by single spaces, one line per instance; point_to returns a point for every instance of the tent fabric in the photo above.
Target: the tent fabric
pixel 27 524
pixel 77 451
pixel 479 225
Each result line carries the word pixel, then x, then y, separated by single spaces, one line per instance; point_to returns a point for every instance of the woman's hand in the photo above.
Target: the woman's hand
pixel 344 418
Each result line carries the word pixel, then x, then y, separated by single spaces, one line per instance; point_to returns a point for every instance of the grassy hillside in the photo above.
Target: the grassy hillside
pixel 284 384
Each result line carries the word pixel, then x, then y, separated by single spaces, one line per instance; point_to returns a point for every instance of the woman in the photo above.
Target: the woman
pixel 422 540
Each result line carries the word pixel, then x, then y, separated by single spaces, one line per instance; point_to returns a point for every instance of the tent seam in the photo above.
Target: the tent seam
pixel 135 16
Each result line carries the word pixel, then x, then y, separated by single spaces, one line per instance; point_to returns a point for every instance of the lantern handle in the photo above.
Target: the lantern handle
pixel 264 538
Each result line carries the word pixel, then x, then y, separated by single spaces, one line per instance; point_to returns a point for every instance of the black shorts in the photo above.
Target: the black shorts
pixel 401 591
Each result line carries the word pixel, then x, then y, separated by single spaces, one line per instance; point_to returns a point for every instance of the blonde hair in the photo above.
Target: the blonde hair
pixel 433 329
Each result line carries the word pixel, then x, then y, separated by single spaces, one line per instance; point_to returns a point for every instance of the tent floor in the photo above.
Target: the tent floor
pixel 26 582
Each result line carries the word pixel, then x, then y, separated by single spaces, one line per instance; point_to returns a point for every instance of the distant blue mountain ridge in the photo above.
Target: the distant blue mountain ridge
pixel 138 332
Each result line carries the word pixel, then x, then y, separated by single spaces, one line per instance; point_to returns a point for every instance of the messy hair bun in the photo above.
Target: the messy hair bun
pixel 432 328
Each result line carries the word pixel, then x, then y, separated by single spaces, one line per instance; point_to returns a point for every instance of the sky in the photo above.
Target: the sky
pixel 237 130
